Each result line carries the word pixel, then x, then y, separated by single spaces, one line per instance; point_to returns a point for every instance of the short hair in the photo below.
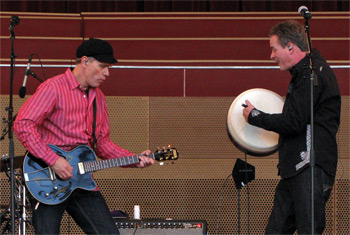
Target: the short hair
pixel 290 31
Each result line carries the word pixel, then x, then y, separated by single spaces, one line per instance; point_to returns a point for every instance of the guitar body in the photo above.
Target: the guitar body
pixel 42 183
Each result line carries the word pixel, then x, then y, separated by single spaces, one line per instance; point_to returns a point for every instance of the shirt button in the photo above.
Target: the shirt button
pixel 84 96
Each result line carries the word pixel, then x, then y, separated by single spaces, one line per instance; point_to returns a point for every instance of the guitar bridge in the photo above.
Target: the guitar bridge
pixel 81 168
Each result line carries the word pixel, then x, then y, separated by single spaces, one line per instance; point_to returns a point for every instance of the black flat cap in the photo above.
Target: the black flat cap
pixel 97 48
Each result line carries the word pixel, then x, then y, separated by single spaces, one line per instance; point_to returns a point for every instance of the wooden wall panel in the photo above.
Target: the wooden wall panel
pixel 129 121
pixel 194 189
pixel 343 136
pixel 227 82
pixel 174 82
pixel 175 39
pixel 4 144
pixel 191 187
pixel 203 26
pixel 138 37
pixel 43 25
pixel 46 48
pixel 198 127
pixel 213 83
pixel 144 82
pixel 32 83
pixel 342 207
pixel 202 49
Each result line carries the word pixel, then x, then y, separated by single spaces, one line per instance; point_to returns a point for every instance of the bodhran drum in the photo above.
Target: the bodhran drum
pixel 250 139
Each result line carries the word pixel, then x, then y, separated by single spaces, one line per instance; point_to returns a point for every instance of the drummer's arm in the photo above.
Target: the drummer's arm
pixel 248 108
pixel 255 117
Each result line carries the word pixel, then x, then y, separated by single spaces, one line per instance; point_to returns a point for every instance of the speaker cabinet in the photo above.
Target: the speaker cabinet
pixel 161 227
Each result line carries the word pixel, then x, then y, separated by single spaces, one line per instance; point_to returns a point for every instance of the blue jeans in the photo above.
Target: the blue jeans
pixel 88 209
pixel 292 204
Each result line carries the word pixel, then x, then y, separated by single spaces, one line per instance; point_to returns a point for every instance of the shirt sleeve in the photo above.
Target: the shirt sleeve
pixel 28 120
pixel 296 110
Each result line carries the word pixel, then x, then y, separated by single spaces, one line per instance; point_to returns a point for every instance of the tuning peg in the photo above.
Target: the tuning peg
pixel 158 149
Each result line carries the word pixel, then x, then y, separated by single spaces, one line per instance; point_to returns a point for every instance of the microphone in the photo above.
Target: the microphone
pixel 304 12
pixel 22 91
pixel 14 20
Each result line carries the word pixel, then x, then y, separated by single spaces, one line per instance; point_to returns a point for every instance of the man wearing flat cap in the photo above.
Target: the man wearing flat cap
pixel 67 111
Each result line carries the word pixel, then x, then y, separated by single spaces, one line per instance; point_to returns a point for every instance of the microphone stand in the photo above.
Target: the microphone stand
pixel 10 135
pixel 313 82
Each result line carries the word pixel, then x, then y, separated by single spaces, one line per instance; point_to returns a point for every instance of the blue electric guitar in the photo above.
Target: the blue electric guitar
pixel 43 184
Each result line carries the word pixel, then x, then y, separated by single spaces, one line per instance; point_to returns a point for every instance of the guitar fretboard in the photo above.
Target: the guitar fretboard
pixel 115 162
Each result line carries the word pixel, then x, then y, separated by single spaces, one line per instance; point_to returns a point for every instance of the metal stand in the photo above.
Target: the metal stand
pixel 242 174
pixel 239 212
pixel 314 82
pixel 22 220
pixel 17 208
pixel 13 22
pixel 20 212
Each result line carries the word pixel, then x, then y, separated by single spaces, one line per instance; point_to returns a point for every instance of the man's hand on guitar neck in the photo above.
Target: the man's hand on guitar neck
pixel 144 160
pixel 62 168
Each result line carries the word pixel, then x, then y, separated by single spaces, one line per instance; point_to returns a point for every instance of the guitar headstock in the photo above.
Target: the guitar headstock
pixel 169 153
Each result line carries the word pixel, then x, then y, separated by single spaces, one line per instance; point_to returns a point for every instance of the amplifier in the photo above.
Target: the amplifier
pixel 161 227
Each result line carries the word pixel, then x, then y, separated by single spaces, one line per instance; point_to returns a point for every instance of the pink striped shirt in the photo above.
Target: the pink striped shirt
pixel 61 113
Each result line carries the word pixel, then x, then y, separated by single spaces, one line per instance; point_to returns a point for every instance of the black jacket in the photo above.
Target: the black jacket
pixel 293 125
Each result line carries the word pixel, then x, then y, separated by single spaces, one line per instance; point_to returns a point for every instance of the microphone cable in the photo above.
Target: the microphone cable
pixel 41 64
pixel 220 202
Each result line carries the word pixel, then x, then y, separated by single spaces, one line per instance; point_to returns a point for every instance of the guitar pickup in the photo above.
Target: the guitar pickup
pixel 52 174
pixel 26 178
pixel 81 168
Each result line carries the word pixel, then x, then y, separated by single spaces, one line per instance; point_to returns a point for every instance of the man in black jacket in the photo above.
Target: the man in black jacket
pixel 292 203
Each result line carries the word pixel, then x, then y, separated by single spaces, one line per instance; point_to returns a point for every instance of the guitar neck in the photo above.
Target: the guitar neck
pixel 114 162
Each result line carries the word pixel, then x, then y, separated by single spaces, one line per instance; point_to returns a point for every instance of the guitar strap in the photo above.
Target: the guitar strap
pixel 94 126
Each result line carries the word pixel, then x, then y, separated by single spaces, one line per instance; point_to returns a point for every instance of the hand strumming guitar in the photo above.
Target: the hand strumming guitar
pixel 62 168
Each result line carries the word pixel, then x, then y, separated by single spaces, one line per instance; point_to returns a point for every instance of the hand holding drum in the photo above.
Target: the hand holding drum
pixel 248 107
pixel 250 139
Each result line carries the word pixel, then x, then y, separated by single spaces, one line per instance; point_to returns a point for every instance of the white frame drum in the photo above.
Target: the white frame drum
pixel 250 139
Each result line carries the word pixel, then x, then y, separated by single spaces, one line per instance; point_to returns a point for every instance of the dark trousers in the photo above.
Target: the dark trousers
pixel 88 209
pixel 292 204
